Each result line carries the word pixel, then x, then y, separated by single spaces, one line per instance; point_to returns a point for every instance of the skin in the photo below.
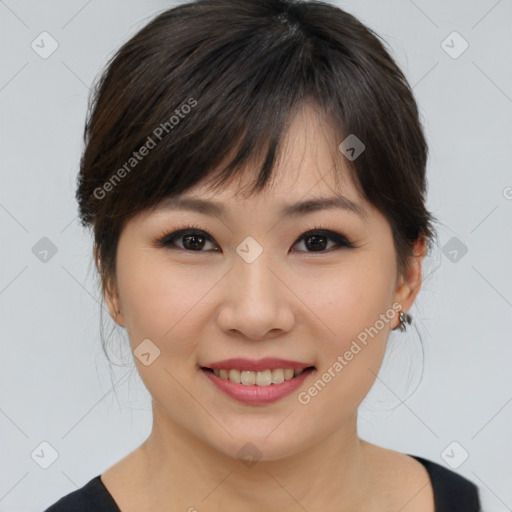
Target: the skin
pixel 291 302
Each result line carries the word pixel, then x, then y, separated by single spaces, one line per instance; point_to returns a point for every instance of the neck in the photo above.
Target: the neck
pixel 182 469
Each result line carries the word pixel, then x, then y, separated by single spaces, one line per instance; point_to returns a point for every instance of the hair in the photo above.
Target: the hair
pixel 213 84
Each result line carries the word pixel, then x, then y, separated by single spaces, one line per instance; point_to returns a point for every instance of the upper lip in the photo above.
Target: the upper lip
pixel 256 365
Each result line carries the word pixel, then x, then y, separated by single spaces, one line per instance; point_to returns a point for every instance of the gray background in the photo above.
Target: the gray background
pixel 55 383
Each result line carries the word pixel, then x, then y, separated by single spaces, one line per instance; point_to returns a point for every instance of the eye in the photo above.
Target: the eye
pixel 194 239
pixel 317 240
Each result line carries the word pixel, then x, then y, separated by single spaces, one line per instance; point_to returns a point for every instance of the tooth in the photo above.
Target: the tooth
pixel 288 374
pixel 248 378
pixel 264 378
pixel 277 376
pixel 261 378
pixel 234 376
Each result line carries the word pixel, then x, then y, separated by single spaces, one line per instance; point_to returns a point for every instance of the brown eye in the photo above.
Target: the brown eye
pixel 191 240
pixel 318 240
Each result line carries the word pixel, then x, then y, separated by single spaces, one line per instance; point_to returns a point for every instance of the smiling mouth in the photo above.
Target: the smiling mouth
pixel 260 378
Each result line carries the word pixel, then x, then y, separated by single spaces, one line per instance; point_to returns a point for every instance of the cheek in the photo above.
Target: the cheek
pixel 165 304
pixel 162 302
pixel 356 310
pixel 353 297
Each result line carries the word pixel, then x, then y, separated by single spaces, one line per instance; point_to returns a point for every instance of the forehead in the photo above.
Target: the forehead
pixel 309 167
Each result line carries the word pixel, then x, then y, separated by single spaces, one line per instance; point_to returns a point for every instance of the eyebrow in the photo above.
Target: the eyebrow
pixel 289 210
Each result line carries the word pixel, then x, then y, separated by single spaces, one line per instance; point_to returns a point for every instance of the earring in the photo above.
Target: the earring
pixel 405 318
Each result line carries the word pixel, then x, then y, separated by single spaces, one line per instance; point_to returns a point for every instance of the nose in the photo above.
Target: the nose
pixel 256 302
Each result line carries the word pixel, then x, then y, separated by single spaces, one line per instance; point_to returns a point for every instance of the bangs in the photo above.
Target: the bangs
pixel 227 101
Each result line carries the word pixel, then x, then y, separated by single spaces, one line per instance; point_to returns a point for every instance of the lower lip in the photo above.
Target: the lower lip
pixel 258 395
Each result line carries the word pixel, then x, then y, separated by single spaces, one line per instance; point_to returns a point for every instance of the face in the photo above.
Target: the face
pixel 318 287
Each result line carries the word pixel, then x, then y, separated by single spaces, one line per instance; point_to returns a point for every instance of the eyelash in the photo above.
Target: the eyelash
pixel 167 239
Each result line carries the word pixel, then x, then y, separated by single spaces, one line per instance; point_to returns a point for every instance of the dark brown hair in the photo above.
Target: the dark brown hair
pixel 212 79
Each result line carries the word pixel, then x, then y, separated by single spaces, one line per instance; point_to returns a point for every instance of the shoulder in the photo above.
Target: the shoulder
pixel 402 482
pixel 452 491
pixel 92 497
pixel 421 484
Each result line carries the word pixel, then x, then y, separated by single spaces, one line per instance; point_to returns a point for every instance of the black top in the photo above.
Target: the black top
pixel 452 493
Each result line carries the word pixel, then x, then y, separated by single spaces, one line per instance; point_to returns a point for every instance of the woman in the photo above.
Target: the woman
pixel 254 175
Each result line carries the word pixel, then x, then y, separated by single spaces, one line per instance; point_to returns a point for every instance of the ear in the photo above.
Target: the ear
pixel 409 284
pixel 109 291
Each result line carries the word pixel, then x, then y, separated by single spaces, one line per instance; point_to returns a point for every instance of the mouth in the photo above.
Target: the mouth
pixel 257 388
pixel 263 378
